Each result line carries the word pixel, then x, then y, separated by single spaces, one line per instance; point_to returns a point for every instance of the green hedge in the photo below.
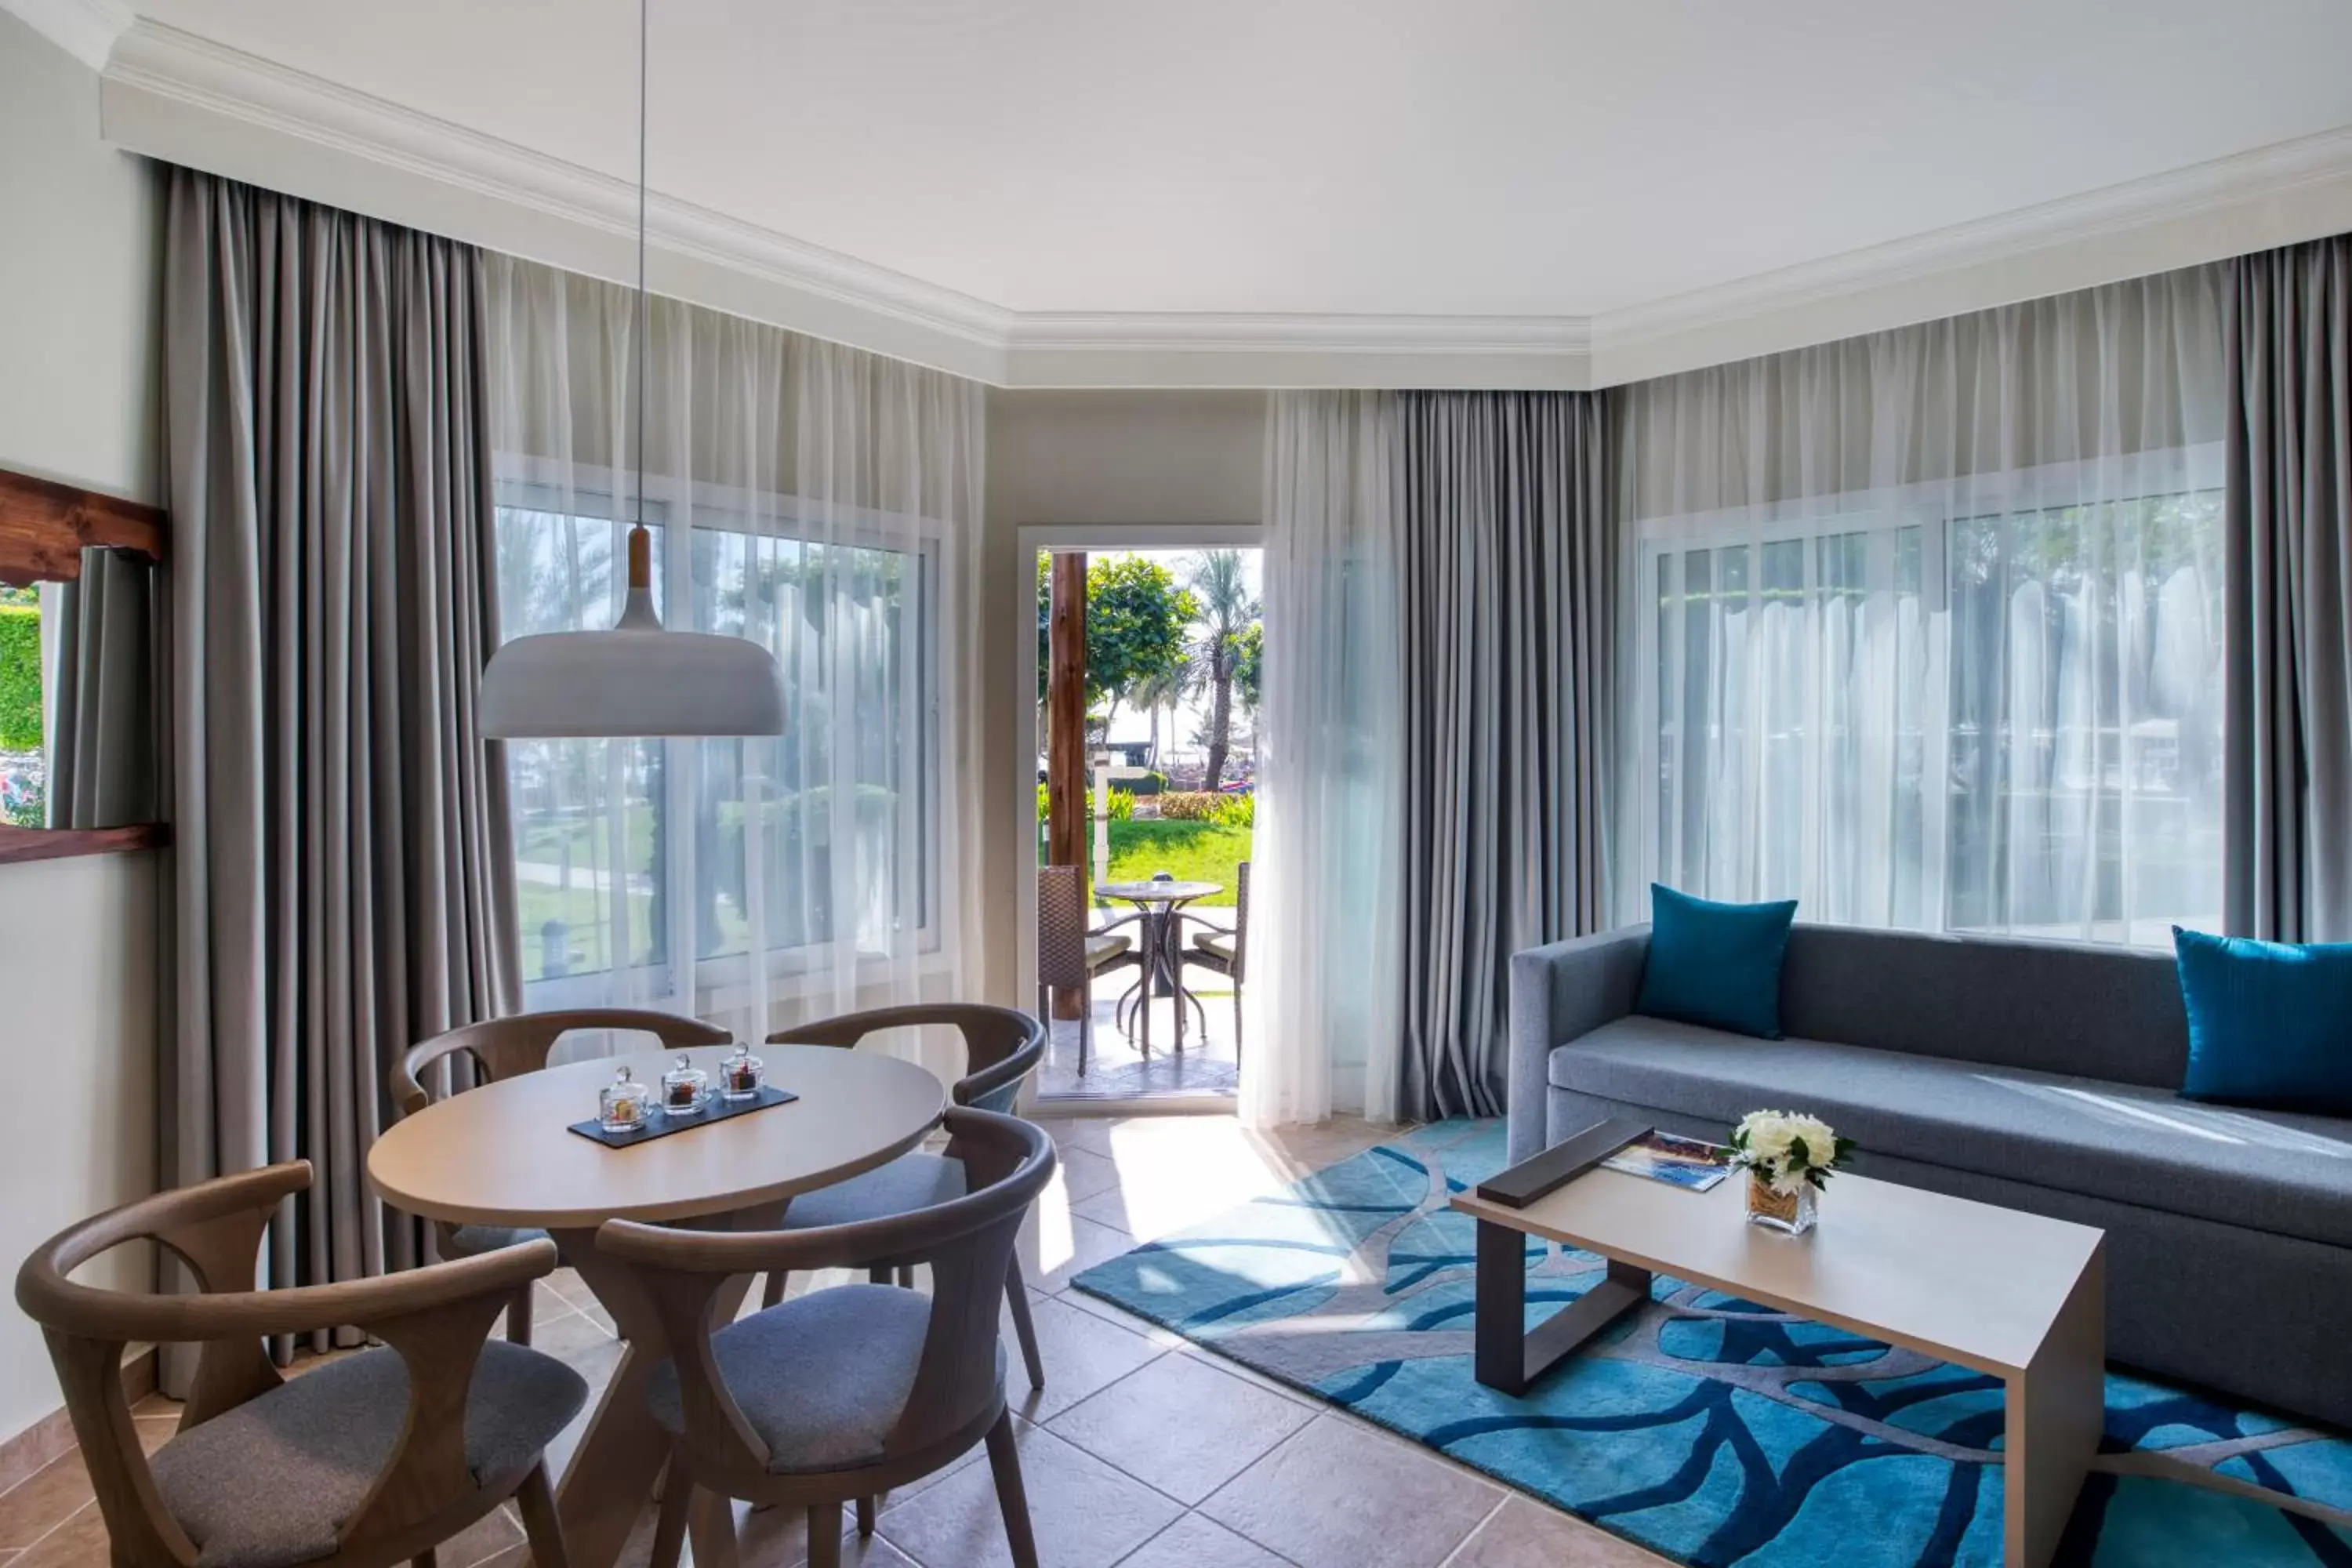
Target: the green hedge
pixel 20 678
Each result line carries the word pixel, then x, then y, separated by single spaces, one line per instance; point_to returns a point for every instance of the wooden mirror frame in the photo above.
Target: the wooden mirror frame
pixel 44 527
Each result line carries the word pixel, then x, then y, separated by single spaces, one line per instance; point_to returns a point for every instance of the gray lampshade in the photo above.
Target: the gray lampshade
pixel 634 680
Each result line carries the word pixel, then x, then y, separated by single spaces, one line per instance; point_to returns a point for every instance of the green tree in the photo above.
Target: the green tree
pixel 1136 619
pixel 1249 669
pixel 1227 613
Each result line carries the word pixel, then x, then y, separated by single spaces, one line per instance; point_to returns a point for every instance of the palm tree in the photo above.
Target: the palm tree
pixel 1227 611
pixel 1153 693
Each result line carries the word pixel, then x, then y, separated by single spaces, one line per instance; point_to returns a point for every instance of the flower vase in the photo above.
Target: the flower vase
pixel 1793 1214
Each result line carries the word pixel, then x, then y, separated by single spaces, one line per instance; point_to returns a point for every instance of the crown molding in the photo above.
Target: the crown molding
pixel 175 96
pixel 86 29
pixel 2278 195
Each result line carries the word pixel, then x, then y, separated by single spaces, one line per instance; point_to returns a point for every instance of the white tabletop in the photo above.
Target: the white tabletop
pixel 1963 1281
pixel 1158 892
pixel 505 1154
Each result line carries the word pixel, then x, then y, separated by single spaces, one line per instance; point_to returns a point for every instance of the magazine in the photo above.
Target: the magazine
pixel 1678 1162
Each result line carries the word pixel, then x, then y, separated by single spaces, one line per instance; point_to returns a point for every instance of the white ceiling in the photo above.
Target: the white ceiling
pixel 1353 156
pixel 1383 158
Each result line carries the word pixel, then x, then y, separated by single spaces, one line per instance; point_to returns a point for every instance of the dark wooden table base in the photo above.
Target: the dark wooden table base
pixel 1506 1356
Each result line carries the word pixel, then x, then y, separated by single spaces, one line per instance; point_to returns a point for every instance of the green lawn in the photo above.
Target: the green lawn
pixel 1190 851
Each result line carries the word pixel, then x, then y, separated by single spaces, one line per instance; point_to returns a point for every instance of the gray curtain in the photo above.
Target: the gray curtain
pixel 2288 622
pixel 1509 628
pixel 102 749
pixel 344 882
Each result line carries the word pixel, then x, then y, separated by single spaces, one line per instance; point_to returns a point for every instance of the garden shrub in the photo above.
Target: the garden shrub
pixel 20 678
pixel 1190 806
pixel 1236 811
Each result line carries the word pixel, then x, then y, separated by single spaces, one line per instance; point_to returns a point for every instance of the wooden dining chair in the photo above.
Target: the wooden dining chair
pixel 1226 950
pixel 1002 1046
pixel 1071 955
pixel 363 1461
pixel 840 1394
pixel 502 1048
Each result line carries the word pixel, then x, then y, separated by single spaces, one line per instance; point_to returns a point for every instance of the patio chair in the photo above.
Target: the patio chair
pixel 1226 952
pixel 1069 955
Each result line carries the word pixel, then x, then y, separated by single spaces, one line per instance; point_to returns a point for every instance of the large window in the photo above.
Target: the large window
pixel 693 871
pixel 2000 714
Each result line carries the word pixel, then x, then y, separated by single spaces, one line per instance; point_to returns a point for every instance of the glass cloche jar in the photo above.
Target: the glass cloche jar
pixel 622 1107
pixel 685 1088
pixel 741 1074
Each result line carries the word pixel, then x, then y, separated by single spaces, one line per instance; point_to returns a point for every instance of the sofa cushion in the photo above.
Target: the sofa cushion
pixel 1718 964
pixel 2270 1023
pixel 2275 1171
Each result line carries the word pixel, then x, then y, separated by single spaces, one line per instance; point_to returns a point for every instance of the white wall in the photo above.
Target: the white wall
pixel 80 283
pixel 1112 459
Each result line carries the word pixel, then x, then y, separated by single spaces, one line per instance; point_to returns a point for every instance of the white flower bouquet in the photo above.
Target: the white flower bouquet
pixel 1789 1158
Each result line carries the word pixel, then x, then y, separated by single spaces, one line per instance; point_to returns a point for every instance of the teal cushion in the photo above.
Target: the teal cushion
pixel 1717 964
pixel 2270 1023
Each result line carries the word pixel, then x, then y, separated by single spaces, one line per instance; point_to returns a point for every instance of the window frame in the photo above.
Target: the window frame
pixel 1930 506
pixel 783 974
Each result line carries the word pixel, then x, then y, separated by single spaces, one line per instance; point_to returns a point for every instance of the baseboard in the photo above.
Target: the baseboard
pixel 33 1450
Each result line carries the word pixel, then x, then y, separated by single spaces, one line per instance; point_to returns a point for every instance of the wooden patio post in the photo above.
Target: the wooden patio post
pixel 1066 729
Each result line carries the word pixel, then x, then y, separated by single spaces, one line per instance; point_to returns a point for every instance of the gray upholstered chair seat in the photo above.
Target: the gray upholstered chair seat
pixel 1102 949
pixel 270 1483
pixel 2272 1171
pixel 821 1379
pixel 473 1240
pixel 1215 943
pixel 908 1183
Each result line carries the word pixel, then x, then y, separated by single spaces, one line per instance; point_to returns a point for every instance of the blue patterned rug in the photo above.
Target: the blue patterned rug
pixel 1703 1427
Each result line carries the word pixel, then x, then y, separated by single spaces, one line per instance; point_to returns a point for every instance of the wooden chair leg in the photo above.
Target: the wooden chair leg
pixel 773 1293
pixel 542 1524
pixel 669 1525
pixel 879 1275
pixel 710 1525
pixel 424 1559
pixel 865 1516
pixel 1011 1499
pixel 906 1277
pixel 518 1316
pixel 824 1536
pixel 1016 1295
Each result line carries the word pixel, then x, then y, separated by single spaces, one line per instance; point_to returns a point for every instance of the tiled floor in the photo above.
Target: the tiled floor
pixel 1116 1067
pixel 1141 1450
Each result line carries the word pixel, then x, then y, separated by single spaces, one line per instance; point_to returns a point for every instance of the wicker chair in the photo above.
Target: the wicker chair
pixel 1070 956
pixel 508 1047
pixel 1226 952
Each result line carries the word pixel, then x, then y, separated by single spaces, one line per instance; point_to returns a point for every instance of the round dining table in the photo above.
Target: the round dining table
pixel 504 1155
pixel 1160 903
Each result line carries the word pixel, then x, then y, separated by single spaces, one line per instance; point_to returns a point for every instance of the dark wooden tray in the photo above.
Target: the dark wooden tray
pixel 661 1124
pixel 1561 1164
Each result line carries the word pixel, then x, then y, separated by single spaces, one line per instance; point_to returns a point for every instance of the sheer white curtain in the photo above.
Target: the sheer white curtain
pixel 1323 982
pixel 1929 620
pixel 822 502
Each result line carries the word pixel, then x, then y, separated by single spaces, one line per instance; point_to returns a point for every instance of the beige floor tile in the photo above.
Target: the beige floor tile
pixel 80 1542
pixel 154 1431
pixel 1111 1312
pixel 1082 1354
pixel 1525 1534
pixel 567 1285
pixel 1250 1375
pixel 1335 1496
pixel 1198 1542
pixel 1091 1134
pixel 568 1333
pixel 1056 1247
pixel 43 1500
pixel 1084 1513
pixel 1181 1425
pixel 480 1542
pixel 1083 1172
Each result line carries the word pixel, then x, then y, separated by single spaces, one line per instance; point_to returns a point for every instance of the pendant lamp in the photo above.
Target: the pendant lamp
pixel 636 679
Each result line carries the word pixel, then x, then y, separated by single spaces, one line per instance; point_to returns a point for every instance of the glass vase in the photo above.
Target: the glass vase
pixel 1791 1214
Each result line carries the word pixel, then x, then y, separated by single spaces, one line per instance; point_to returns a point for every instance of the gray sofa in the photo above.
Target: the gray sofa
pixel 2038 1076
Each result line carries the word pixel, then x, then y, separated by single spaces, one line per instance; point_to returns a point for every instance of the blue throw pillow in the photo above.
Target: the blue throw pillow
pixel 1718 964
pixel 2270 1023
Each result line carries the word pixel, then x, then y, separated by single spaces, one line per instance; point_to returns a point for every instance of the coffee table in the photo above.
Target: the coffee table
pixel 2011 1295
